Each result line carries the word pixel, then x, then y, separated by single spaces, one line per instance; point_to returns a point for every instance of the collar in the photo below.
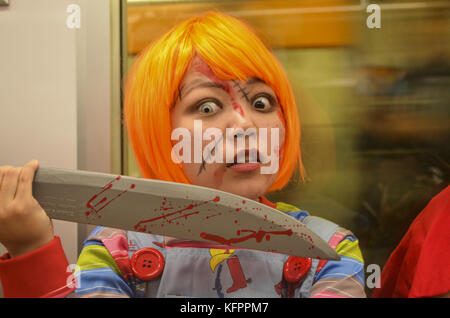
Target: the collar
pixel 264 200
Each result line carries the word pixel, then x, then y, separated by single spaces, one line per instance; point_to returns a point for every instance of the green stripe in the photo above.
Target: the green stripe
pixel 97 256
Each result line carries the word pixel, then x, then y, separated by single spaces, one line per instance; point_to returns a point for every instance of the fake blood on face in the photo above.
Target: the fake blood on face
pixel 204 69
pixel 238 108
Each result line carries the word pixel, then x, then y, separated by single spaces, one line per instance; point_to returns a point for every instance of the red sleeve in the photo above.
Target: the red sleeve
pixel 40 273
pixel 432 275
pixel 420 264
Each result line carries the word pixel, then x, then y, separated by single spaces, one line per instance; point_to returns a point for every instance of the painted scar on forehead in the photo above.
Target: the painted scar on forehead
pixel 204 69
pixel 207 71
pixel 242 90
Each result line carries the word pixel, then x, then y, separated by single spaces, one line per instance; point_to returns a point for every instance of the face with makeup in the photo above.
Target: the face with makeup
pixel 230 106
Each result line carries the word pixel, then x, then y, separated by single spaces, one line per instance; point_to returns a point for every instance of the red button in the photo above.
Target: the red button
pixel 147 263
pixel 296 268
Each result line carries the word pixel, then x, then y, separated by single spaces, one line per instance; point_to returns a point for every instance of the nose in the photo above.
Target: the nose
pixel 239 118
pixel 241 132
pixel 240 125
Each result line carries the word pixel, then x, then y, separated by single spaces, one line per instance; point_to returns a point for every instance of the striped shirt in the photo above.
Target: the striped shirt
pixel 104 270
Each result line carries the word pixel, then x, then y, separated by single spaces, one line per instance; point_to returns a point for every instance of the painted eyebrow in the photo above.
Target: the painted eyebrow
pixel 201 84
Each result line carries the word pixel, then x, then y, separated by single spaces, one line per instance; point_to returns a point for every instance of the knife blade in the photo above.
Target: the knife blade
pixel 173 209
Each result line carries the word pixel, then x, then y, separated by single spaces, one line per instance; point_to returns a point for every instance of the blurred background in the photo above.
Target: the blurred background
pixel 374 102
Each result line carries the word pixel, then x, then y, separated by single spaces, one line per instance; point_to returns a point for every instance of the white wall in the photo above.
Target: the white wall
pixel 94 102
pixel 93 82
pixel 55 91
pixel 38 94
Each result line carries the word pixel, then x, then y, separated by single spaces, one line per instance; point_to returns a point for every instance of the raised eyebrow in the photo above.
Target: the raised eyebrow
pixel 201 84
pixel 254 80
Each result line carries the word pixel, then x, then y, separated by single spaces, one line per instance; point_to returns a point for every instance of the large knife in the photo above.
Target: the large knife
pixel 173 209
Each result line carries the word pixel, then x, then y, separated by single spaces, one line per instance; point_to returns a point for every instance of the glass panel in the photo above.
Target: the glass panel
pixel 373 103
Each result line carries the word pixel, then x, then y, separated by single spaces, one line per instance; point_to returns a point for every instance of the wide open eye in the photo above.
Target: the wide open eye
pixel 208 108
pixel 262 103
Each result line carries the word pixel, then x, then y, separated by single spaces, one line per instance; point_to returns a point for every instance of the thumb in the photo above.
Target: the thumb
pixel 34 164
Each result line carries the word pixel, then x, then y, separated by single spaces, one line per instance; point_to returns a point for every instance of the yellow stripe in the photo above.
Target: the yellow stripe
pixel 350 249
pixel 218 256
pixel 96 256
pixel 286 207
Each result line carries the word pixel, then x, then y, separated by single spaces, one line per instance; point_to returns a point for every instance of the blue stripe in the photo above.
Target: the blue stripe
pixel 347 266
pixel 94 232
pixel 101 279
pixel 299 215
pixel 351 238
pixel 91 242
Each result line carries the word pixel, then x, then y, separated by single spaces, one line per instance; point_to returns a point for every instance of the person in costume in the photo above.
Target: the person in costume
pixel 214 69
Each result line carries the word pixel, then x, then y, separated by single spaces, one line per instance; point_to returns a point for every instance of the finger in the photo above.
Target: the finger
pixel 9 184
pixel 25 183
pixel 3 170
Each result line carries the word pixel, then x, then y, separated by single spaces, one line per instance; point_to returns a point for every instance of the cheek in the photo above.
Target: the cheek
pixel 202 173
pixel 189 170
pixel 282 137
pixel 218 176
pixel 280 149
pixel 274 148
pixel 213 176
pixel 281 117
pixel 275 121
pixel 281 130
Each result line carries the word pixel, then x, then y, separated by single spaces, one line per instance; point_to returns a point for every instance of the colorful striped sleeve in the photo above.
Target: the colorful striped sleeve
pixel 335 279
pixel 344 278
pixel 103 266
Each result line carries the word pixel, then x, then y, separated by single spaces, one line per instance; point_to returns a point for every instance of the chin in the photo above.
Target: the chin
pixel 251 188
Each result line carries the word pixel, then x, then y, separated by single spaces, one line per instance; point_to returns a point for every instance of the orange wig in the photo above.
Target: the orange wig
pixel 232 51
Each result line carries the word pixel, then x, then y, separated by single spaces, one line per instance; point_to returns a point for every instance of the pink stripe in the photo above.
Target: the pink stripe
pixel 60 294
pixel 118 248
pixel 117 242
pixel 334 241
pixel 326 294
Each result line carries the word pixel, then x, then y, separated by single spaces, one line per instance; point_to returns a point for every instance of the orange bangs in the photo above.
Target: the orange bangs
pixel 232 51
